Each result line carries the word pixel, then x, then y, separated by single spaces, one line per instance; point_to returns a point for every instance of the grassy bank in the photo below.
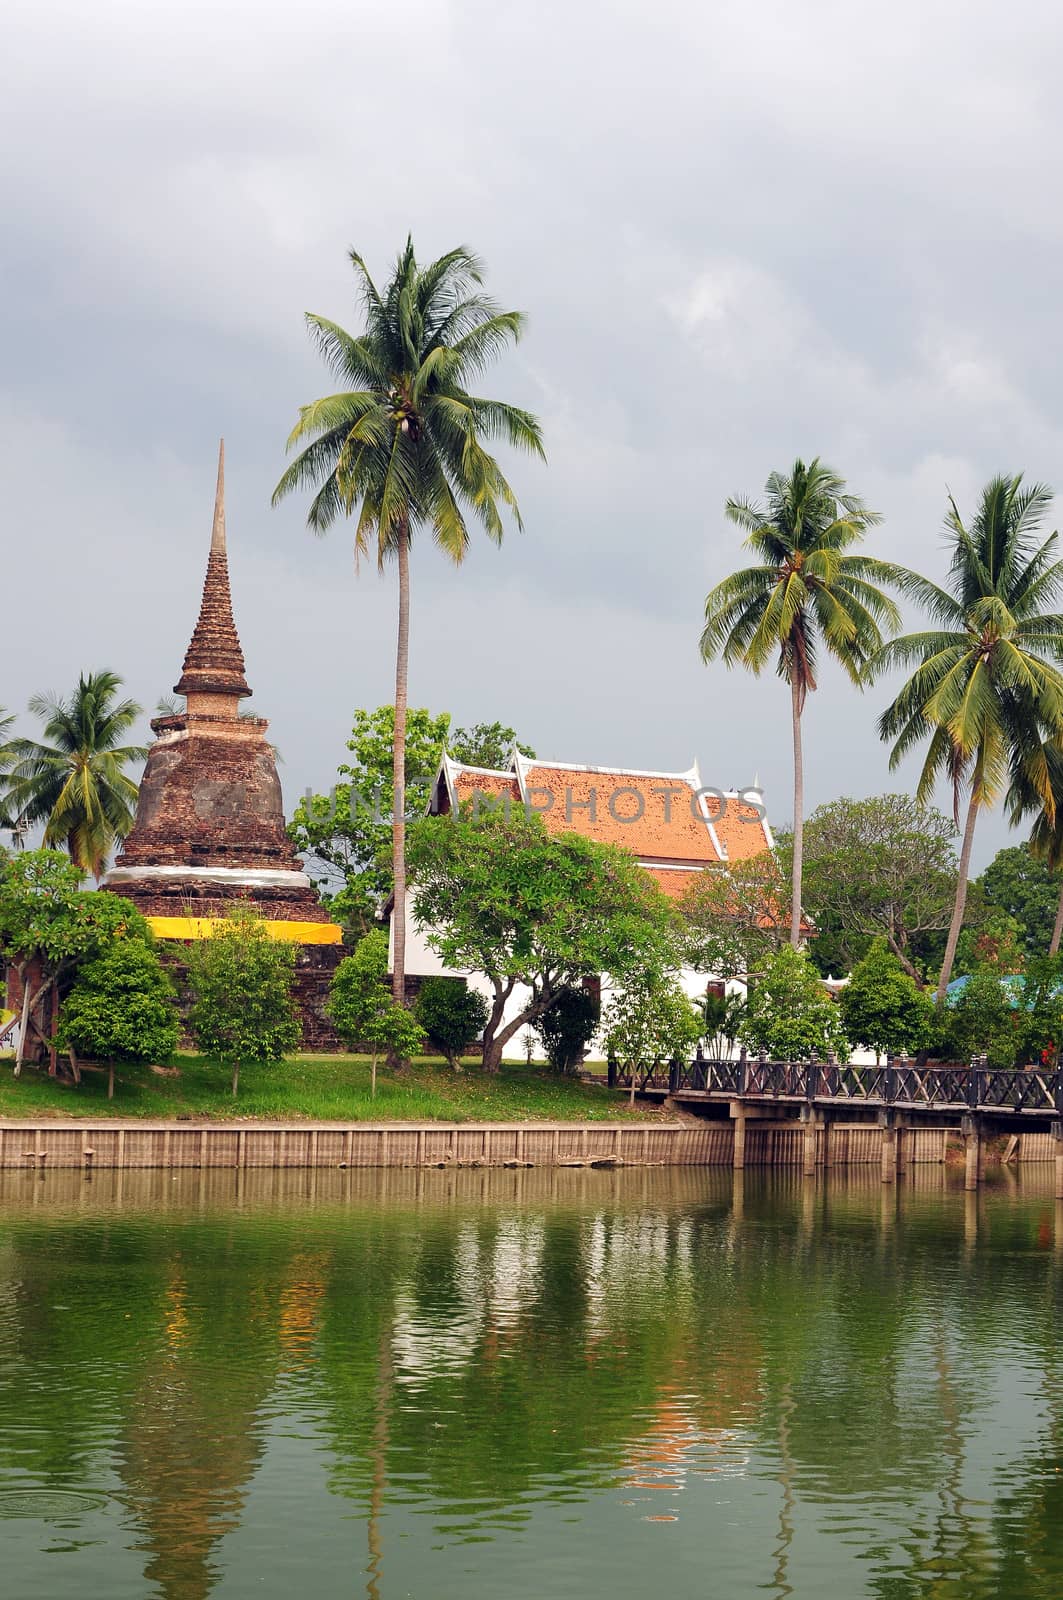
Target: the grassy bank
pixel 318 1087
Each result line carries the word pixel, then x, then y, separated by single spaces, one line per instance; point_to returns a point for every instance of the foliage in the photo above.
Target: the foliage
pixel 1025 887
pixel 75 783
pixel 46 917
pixel 984 684
pixel 345 834
pixel 361 1006
pixel 993 945
pixel 241 984
pixel 503 897
pixel 808 592
pixel 982 1021
pixel 402 445
pixel 721 1018
pixel 734 919
pixel 1040 1016
pixel 486 744
pixel 651 1019
pixel 883 1010
pixel 122 1006
pixel 789 1014
pixel 451 1014
pixel 882 867
pixel 568 1027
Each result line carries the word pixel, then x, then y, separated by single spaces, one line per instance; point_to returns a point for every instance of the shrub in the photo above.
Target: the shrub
pixel 882 1009
pixel 362 1009
pixel 241 983
pixel 568 1027
pixel 451 1014
pixel 983 1021
pixel 789 1014
pixel 122 1007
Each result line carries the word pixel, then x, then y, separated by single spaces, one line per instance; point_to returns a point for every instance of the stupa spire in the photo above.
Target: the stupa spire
pixel 214 663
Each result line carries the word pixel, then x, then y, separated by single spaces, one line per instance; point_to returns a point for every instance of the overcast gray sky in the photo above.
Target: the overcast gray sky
pixel 740 232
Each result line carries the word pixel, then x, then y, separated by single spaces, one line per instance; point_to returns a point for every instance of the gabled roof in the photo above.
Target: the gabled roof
pixel 663 818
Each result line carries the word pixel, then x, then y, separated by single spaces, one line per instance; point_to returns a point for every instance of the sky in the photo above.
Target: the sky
pixel 740 233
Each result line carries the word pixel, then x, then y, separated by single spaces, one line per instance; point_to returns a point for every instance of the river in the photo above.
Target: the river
pixel 466 1385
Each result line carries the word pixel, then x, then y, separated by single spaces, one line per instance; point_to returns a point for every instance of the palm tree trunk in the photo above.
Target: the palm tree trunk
pixel 1057 931
pixel 799 816
pixel 961 898
pixel 398 775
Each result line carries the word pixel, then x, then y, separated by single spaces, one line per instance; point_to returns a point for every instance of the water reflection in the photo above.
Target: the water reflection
pixel 533 1380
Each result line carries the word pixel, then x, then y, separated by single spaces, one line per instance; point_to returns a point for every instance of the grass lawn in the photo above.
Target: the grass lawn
pixel 319 1087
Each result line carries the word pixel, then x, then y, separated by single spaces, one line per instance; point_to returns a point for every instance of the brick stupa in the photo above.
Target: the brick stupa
pixel 209 830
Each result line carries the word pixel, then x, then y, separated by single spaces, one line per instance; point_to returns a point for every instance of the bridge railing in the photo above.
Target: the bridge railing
pixel 898 1082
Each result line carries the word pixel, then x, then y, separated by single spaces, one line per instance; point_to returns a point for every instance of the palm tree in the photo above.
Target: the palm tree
pixel 1046 835
pixel 983 688
pixel 75 784
pixel 808 590
pixel 402 444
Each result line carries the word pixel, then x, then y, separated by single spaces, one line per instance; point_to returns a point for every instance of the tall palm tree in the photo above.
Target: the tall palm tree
pixel 984 688
pixel 807 590
pixel 403 446
pixel 76 783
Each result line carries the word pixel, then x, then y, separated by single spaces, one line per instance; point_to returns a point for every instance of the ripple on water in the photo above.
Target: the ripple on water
pixel 49 1505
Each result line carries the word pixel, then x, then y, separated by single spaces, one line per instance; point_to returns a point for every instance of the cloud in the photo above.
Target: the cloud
pixel 741 233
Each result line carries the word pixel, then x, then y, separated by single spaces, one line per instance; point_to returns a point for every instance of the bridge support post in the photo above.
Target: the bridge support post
pixel 889 1152
pixel 904 1144
pixel 1057 1136
pixel 738 1117
pixel 810 1128
pixel 972 1140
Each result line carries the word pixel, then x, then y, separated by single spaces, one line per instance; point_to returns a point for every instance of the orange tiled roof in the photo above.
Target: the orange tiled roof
pixel 658 816
pixel 650 814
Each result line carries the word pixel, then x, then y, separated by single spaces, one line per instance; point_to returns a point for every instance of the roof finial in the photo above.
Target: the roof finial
pixel 217 537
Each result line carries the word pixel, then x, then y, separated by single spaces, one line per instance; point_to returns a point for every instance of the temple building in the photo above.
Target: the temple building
pixel 210 830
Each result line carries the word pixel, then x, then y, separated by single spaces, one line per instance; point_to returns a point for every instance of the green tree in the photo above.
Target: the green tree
pixel 530 909
pixel 49 925
pixel 735 918
pixel 402 444
pixel 650 1019
pixel 362 1009
pixel 241 984
pixel 994 944
pixel 122 1007
pixel 809 591
pixel 882 1008
pixel 1046 836
pixel 789 1014
pixel 982 1020
pixel 486 744
pixel 984 688
pixel 345 835
pixel 721 1018
pixel 882 867
pixel 76 783
pixel 451 1014
pixel 1026 887
pixel 568 1027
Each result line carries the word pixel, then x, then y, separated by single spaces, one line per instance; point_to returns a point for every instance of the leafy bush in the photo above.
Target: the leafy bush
pixel 451 1014
pixel 789 1014
pixel 652 1020
pixel 982 1021
pixel 241 982
pixel 568 1027
pixel 122 1007
pixel 883 1010
pixel 362 1009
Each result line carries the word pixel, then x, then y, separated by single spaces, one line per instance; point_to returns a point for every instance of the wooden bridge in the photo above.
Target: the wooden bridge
pixel 978 1101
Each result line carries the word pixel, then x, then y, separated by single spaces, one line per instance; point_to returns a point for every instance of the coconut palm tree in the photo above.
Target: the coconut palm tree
pixel 984 689
pixel 808 590
pixel 402 446
pixel 1046 834
pixel 76 783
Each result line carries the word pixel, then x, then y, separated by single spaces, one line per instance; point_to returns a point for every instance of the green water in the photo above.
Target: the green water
pixel 529 1384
